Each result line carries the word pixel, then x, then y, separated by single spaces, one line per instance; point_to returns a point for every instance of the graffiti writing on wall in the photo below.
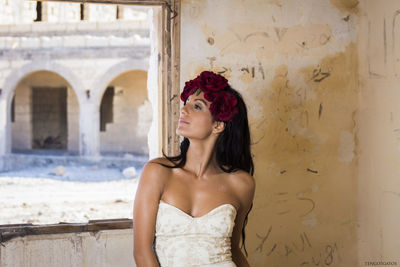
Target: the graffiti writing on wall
pixel 324 255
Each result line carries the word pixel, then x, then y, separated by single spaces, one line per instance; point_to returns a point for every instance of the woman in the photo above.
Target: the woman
pixel 194 206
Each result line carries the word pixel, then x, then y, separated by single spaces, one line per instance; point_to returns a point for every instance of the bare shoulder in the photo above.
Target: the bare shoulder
pixel 155 170
pixel 243 184
pixel 160 161
pixel 242 180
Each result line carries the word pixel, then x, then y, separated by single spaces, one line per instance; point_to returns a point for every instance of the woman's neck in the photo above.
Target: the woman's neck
pixel 201 159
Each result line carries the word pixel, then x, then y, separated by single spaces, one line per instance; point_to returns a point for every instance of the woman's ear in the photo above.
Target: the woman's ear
pixel 219 127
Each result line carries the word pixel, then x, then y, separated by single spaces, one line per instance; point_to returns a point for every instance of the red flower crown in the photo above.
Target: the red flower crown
pixel 223 103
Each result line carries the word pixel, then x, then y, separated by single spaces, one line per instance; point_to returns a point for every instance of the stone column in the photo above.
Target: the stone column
pixel 89 130
pixel 5 133
pixel 154 135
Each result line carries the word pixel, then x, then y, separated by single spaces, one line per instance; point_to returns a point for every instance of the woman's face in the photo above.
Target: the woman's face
pixel 195 119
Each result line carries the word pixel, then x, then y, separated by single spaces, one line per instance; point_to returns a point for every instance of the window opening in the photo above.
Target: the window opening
pixel 38 11
pixel 165 79
pixel 119 12
pixel 13 109
pixel 49 118
pixel 82 7
pixel 106 108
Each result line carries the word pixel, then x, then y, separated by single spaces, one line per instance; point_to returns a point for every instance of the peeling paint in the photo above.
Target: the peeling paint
pixel 350 6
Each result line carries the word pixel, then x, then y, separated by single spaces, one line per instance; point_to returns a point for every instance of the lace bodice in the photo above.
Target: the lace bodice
pixel 183 240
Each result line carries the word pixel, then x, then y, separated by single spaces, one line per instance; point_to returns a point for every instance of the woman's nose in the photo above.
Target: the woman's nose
pixel 184 110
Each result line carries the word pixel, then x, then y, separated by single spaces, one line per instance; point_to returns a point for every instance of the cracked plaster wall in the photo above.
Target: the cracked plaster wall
pixel 296 64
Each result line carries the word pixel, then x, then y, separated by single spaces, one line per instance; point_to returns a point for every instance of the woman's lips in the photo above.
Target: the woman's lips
pixel 183 121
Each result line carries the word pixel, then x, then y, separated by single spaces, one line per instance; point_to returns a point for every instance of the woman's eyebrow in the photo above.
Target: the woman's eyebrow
pixel 202 100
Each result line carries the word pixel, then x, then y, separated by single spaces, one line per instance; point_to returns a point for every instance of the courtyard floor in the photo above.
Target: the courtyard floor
pixel 36 195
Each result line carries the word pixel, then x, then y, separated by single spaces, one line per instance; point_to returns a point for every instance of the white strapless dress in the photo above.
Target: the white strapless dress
pixel 183 240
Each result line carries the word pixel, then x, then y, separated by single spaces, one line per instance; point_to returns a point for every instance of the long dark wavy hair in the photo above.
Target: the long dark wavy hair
pixel 232 148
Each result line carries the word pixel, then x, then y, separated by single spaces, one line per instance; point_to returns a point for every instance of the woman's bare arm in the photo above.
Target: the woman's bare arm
pixel 147 198
pixel 244 186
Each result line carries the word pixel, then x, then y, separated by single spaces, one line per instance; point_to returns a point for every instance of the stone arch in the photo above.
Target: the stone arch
pixel 13 79
pixel 9 87
pixel 100 85
pixel 138 121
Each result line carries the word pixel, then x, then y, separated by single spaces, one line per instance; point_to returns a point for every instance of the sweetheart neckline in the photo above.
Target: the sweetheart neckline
pixel 190 216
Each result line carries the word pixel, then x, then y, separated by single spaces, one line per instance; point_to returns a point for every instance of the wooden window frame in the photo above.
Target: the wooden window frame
pixel 168 86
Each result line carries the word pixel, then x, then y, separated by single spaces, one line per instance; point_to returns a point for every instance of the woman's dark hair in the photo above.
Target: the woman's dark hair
pixel 232 148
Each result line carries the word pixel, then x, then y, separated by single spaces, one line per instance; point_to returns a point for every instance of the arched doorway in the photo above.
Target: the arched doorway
pixel 45 115
pixel 125 115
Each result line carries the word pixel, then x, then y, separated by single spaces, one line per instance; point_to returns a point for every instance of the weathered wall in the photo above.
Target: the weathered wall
pixel 103 249
pixel 296 64
pixel 12 13
pixel 379 134
pixel 132 115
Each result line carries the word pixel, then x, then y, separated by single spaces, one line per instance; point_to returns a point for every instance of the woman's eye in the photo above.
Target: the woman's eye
pixel 197 107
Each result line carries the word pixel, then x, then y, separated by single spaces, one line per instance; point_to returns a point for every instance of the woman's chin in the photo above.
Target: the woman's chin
pixel 180 132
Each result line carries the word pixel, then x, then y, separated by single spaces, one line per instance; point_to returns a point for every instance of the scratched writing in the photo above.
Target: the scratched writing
pixel 254 71
pixel 283 249
pixel 383 40
pixel 319 75
pixel 301 247
pixel 325 257
pixel 286 203
pixel 251 71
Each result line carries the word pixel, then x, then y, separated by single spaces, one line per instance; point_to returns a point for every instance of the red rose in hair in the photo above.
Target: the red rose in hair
pixel 223 103
pixel 211 81
pixel 190 87
pixel 223 107
pixel 210 95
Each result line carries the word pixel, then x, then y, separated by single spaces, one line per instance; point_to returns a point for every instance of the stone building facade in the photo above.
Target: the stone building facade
pixel 73 78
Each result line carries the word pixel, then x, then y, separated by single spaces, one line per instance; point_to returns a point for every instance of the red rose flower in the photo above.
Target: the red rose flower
pixel 190 87
pixel 223 103
pixel 211 81
pixel 210 96
pixel 223 107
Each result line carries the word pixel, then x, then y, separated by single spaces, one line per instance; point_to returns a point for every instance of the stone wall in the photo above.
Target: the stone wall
pixel 72 120
pixel 25 12
pixel 23 140
pixel 132 115
pixel 86 249
pixel 22 125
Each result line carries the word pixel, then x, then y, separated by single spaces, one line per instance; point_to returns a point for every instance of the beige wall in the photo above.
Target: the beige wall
pixel 296 64
pixel 132 115
pixel 379 131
